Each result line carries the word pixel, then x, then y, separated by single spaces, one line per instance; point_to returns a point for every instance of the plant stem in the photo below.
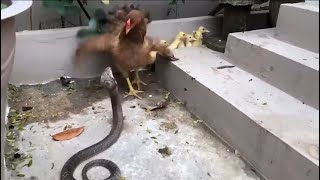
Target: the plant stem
pixel 83 9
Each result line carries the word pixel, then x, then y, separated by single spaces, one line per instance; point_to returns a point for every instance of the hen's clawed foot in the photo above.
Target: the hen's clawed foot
pixel 133 92
pixel 138 81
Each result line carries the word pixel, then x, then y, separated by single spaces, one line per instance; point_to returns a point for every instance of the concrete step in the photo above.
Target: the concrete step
pixel 289 68
pixel 277 134
pixel 298 24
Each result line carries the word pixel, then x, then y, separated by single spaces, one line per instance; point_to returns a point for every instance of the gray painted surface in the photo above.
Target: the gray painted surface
pixel 275 137
pixel 196 154
pixel 290 68
pixel 45 55
pixel 271 130
pixel 298 24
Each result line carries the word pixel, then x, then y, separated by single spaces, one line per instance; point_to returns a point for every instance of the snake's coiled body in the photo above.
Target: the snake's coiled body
pixel 117 126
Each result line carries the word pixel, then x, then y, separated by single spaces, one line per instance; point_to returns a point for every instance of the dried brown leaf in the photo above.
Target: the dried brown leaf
pixel 68 134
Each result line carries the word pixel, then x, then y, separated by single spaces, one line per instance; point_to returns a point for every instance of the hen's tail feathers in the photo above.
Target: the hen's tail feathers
pixel 97 25
pixel 102 22
pixel 96 44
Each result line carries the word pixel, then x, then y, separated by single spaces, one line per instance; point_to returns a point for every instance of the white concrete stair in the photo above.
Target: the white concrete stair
pixel 276 133
pixel 292 69
pixel 298 24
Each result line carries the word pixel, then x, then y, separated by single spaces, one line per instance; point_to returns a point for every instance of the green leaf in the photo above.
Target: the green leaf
pixel 3 6
pixel 29 163
pixel 68 10
pixel 63 7
pixel 173 2
pixel 106 2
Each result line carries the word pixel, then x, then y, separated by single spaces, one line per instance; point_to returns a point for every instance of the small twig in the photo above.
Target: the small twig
pixel 62 22
pixel 223 67
pixel 84 9
pixel 30 18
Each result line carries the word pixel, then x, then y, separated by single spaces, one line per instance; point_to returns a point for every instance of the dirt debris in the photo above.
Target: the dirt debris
pixel 168 126
pixel 165 152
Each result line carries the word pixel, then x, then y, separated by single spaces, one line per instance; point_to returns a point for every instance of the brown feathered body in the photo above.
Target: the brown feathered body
pixel 131 50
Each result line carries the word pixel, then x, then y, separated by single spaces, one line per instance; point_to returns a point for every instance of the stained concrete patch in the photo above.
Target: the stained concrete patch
pixel 194 152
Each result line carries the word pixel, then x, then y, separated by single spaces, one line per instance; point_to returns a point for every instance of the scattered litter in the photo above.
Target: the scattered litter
pixel 148 130
pixel 168 125
pixel 209 174
pixel 20 175
pixel 14 159
pixel 67 127
pixel 176 131
pixel 224 67
pixel 29 164
pixel 150 95
pixel 153 137
pixel 264 104
pixel 250 80
pixel 167 96
pixel 26 108
pixel 65 82
pixel 237 153
pixel 160 105
pixel 52 165
pixel 132 107
pixel 122 178
pixel 194 122
pixel 68 134
pixel 16 155
pixel 165 152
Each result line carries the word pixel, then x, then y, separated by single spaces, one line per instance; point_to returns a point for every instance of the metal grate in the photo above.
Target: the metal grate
pixel 56 23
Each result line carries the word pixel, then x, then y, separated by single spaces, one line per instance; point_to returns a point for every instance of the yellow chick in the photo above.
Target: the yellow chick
pixel 164 43
pixel 153 54
pixel 189 40
pixel 202 30
pixel 178 41
pixel 198 36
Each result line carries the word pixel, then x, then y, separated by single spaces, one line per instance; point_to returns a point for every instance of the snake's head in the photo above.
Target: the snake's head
pixel 107 79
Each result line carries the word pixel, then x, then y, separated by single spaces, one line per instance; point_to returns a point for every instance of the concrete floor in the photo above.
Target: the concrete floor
pixel 196 153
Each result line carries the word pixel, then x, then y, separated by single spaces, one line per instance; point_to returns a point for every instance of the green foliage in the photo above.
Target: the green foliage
pixel 63 7
pixel 3 6
pixel 176 1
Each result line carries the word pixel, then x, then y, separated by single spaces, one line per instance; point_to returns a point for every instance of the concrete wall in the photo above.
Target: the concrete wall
pixel 159 10
pixel 45 55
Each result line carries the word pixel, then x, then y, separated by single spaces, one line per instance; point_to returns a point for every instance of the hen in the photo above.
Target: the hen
pixel 128 45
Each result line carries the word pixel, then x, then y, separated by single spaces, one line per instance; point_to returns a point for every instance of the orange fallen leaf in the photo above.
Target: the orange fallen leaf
pixel 68 134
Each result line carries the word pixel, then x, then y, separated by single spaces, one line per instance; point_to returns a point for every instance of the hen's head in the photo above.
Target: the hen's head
pixel 133 19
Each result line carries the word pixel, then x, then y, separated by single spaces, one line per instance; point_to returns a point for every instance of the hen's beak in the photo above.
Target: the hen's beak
pixel 206 31
pixel 128 26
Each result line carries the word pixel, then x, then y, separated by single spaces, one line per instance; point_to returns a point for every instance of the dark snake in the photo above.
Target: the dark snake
pixel 70 166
